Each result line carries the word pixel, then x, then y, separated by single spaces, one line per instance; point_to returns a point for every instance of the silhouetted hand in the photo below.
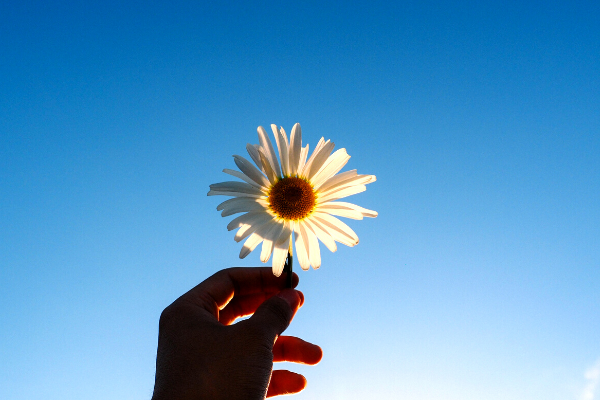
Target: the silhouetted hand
pixel 201 355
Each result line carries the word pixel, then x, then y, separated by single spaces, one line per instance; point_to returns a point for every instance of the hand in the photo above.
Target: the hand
pixel 201 355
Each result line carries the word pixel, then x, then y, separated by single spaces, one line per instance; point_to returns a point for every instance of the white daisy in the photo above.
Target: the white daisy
pixel 293 194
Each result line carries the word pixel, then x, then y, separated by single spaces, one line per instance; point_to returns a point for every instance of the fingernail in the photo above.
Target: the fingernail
pixel 291 297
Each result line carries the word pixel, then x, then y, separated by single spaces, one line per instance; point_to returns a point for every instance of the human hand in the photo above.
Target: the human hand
pixel 203 355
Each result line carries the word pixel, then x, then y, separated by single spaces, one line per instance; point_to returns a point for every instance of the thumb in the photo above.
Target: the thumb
pixel 275 314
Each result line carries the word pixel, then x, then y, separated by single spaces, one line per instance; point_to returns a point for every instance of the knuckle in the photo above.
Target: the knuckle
pixel 280 311
pixel 168 316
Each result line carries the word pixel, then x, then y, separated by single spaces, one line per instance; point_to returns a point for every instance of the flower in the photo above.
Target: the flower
pixel 295 194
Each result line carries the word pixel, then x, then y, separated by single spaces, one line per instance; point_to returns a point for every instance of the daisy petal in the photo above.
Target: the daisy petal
pixel 267 166
pixel 337 235
pixel 288 147
pixel 314 253
pixel 353 181
pixel 232 186
pixel 320 159
pixel 255 239
pixel 281 249
pixel 268 149
pixel 334 180
pixel 226 203
pixel 251 218
pixel 333 165
pixel 284 236
pixel 253 152
pixel 243 177
pixel 244 232
pixel 295 148
pixel 320 144
pixel 270 239
pixel 279 255
pixel 321 234
pixel 235 200
pixel 367 213
pixel 301 250
pixel 307 164
pixel 349 206
pixel 336 225
pixel 340 211
pixel 250 244
pixel 243 206
pixel 303 155
pixel 235 194
pixel 247 230
pixel 282 148
pixel 285 138
pixel 338 194
pixel 251 171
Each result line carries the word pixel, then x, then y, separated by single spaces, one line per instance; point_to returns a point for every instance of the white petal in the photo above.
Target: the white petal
pixel 321 234
pixel 367 213
pixel 281 250
pixel 267 246
pixel 295 148
pixel 251 218
pixel 232 186
pixel 268 149
pixel 250 170
pixel 340 211
pixel 285 138
pixel 337 229
pixel 243 177
pixel 253 152
pixel 243 206
pixel 303 155
pixel 279 255
pixel 341 238
pixel 235 194
pixel 267 167
pixel 320 143
pixel 284 236
pixel 301 250
pixel 337 235
pixel 338 194
pixel 332 166
pixel 282 148
pixel 228 202
pixel 353 181
pixel 319 160
pixel 250 244
pixel 255 239
pixel 341 204
pixel 270 238
pixel 244 232
pixel 345 229
pixel 314 253
pixel 336 179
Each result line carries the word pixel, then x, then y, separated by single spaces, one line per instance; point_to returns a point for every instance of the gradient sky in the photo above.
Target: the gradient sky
pixel 480 279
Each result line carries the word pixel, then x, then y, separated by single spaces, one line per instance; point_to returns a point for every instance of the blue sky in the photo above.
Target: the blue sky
pixel 480 277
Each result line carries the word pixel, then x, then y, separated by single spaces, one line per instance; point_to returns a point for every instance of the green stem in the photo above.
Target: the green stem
pixel 288 270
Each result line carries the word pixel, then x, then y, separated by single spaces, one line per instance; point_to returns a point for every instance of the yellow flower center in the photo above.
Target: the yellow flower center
pixel 292 198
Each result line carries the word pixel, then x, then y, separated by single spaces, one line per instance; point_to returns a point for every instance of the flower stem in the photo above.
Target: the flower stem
pixel 288 266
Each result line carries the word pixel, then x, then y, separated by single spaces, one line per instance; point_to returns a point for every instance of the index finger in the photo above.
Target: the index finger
pixel 219 289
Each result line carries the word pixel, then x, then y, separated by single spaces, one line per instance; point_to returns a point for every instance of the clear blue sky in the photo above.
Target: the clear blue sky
pixel 480 279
